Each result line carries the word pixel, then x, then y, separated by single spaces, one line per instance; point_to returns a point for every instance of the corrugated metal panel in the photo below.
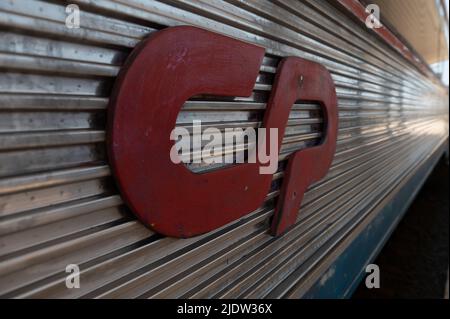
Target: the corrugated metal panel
pixel 59 205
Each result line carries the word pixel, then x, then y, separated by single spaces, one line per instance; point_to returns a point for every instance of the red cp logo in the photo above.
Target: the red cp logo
pixel 163 72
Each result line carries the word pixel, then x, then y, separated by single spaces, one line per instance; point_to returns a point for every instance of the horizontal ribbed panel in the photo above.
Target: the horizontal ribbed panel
pixel 58 201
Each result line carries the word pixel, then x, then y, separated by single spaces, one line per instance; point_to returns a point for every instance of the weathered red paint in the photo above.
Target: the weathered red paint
pixel 162 73
pixel 309 165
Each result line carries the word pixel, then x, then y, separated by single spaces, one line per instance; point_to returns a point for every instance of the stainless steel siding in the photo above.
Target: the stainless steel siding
pixel 58 202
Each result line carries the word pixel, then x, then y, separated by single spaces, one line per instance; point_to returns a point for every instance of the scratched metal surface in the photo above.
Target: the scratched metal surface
pixel 58 202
